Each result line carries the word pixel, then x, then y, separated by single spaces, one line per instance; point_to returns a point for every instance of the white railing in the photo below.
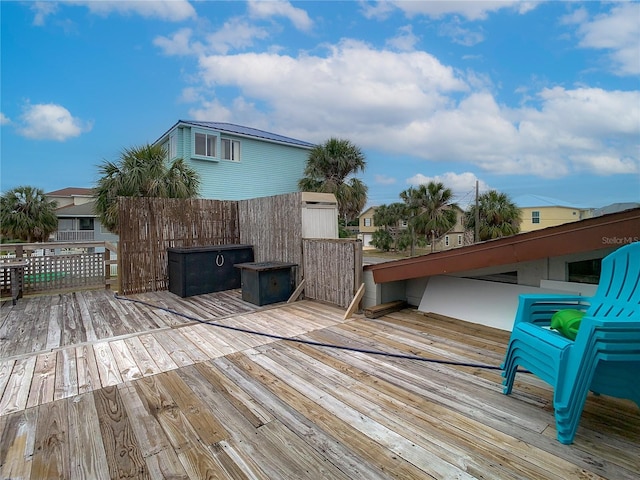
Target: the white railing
pixel 74 236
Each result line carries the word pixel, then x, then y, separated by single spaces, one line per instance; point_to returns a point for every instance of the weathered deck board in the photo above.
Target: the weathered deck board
pixel 97 387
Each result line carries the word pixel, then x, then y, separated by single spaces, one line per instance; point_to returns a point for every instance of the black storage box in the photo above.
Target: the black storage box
pixel 198 270
pixel 266 282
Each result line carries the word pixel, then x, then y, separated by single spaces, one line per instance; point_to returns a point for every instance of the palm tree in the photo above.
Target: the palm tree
pixel 329 169
pixel 431 211
pixel 499 216
pixel 141 172
pixel 26 214
pixel 388 217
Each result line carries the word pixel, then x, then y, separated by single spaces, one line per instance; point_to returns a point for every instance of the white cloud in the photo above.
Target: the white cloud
pixel 239 108
pixel 618 32
pixel 179 43
pixel 461 35
pixel 42 11
pixel 405 40
pixel 169 10
pixel 4 120
pixel 384 180
pixel 408 103
pixel 471 10
pixel 235 34
pixel 379 10
pixel 269 8
pixel 603 164
pixel 51 122
pixel 353 85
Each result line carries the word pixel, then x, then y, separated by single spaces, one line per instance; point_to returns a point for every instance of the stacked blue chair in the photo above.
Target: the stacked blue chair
pixel 605 356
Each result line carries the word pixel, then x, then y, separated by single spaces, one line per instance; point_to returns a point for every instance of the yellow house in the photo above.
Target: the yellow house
pixel 539 212
pixel 366 226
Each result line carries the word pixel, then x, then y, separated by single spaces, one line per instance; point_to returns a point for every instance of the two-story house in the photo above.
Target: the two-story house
pixel 538 212
pixel 366 226
pixel 236 162
pixel 77 220
pixel 456 237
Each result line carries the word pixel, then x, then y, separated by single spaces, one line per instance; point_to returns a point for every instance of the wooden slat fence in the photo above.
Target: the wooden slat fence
pixel 273 225
pixel 148 226
pixel 332 269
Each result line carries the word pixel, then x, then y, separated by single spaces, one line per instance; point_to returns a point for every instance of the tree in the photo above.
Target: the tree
pixel 382 240
pixel 330 169
pixel 499 216
pixel 388 217
pixel 141 172
pixel 26 214
pixel 431 211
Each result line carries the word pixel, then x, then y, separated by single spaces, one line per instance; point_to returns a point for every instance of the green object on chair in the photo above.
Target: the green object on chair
pixel 567 322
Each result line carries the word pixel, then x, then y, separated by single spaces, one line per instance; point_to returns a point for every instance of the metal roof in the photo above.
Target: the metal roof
pixel 528 201
pixel 234 129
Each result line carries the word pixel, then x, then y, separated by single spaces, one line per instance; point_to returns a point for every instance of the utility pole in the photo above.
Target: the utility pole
pixel 476 235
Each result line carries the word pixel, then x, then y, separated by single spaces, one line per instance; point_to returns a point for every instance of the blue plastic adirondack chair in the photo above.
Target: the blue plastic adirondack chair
pixel 605 356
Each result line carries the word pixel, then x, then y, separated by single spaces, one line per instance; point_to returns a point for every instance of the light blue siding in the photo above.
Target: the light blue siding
pixel 265 168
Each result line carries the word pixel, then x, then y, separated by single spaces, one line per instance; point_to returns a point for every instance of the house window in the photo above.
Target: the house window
pixel 172 148
pixel 65 224
pixel 446 240
pixel 230 149
pixel 85 224
pixel 205 145
pixel 459 240
pixel 404 223
pixel 535 216
pixel 367 222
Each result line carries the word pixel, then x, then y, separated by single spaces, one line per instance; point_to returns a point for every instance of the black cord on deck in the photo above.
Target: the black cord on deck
pixel 311 342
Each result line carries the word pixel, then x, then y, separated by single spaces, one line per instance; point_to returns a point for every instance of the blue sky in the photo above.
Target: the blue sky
pixel 524 97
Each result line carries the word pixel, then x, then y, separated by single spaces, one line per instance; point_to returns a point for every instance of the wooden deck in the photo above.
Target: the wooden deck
pixel 94 387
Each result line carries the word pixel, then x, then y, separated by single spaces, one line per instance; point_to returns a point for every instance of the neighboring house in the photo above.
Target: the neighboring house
pixel 454 238
pixel 77 220
pixel 366 227
pixel 481 282
pixel 457 237
pixel 538 212
pixel 236 162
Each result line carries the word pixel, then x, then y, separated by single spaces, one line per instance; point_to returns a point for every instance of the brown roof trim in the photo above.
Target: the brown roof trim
pixel 576 237
pixel 71 191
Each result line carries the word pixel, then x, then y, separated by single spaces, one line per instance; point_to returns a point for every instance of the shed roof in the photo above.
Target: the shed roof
pixel 585 235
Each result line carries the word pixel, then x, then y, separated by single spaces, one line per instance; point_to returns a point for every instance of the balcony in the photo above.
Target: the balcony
pixel 74 236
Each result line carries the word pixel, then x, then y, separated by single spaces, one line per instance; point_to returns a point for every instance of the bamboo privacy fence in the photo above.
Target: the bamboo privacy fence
pixel 332 268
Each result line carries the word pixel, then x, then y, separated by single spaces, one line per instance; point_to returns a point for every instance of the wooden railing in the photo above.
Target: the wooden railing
pixel 57 266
